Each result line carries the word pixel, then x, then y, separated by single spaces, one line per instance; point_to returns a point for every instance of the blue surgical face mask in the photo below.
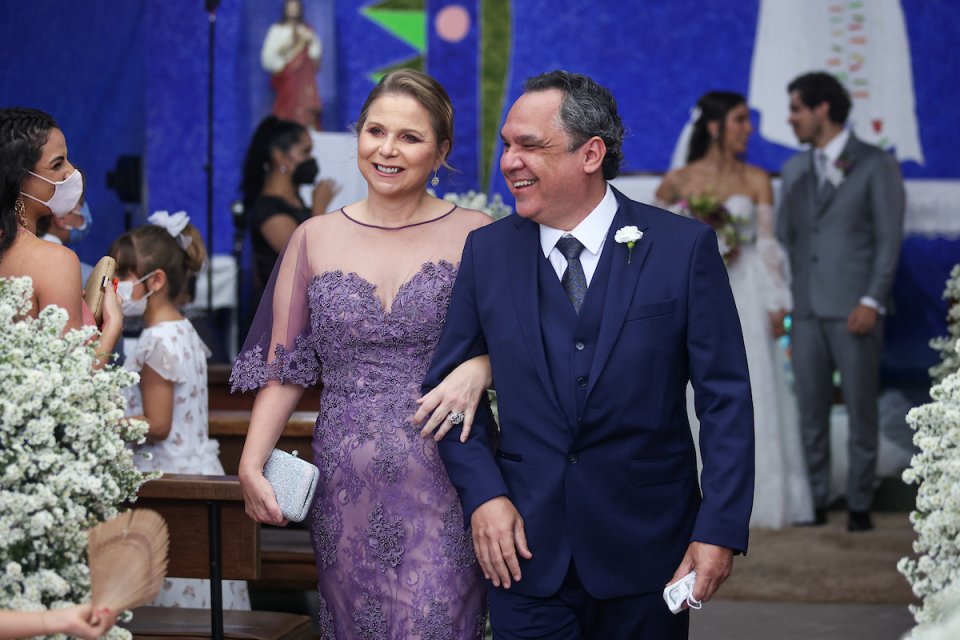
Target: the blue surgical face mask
pixel 79 233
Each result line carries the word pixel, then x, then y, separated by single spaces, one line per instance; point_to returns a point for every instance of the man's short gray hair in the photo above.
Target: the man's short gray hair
pixel 588 109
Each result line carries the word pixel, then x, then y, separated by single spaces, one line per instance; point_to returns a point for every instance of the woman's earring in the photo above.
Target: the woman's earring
pixel 434 181
pixel 283 168
pixel 18 207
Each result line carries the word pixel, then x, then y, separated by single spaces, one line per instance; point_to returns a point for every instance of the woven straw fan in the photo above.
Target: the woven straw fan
pixel 128 559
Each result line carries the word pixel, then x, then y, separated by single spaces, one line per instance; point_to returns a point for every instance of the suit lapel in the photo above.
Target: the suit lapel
pixel 524 254
pixel 622 284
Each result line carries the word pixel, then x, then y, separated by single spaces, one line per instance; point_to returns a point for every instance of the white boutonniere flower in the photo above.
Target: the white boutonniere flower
pixel 629 236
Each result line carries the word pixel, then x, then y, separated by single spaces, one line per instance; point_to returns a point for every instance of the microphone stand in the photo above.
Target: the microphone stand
pixel 211 8
pixel 216 582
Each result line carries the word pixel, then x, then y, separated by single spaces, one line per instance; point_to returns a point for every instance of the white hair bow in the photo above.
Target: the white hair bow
pixel 174 224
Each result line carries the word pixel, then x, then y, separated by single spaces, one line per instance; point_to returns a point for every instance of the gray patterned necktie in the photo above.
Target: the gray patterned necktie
pixel 820 161
pixel 574 280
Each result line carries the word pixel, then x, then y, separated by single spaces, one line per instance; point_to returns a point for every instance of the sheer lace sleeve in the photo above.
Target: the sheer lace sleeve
pixel 776 292
pixel 280 343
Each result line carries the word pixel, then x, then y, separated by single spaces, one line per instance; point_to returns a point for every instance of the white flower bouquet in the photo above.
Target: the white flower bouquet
pixel 946 345
pixel 64 466
pixel 935 571
pixel 494 207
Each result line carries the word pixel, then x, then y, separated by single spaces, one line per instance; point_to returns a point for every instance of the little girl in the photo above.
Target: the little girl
pixel 154 265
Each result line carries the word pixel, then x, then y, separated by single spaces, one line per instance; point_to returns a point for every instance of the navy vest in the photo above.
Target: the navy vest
pixel 569 340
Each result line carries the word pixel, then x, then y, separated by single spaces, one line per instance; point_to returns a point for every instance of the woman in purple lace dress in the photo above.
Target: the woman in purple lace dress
pixel 357 303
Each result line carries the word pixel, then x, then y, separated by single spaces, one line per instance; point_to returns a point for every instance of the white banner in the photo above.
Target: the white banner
pixel 862 42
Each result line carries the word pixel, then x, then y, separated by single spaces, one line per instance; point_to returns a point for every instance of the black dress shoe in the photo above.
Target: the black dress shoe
pixel 859 521
pixel 819 519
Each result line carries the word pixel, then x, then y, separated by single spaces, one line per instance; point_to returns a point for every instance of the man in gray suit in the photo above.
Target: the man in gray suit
pixel 840 219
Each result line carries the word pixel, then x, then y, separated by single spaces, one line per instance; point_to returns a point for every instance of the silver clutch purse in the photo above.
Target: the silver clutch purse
pixel 294 480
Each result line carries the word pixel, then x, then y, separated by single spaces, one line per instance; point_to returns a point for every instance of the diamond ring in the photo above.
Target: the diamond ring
pixel 455 417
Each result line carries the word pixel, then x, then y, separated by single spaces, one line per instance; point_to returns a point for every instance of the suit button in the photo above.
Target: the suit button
pixel 813 259
pixel 581 381
pixel 816 229
pixel 573 459
pixel 580 346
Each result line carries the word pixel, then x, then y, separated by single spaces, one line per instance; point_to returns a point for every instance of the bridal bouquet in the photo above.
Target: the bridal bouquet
pixel 711 211
pixel 64 466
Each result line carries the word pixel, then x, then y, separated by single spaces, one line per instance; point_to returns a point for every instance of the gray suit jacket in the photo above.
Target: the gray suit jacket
pixel 844 245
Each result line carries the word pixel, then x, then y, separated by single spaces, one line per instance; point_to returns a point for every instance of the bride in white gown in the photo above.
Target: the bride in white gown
pixel 760 281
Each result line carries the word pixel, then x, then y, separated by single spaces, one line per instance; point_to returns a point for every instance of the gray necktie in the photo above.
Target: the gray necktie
pixel 574 280
pixel 820 159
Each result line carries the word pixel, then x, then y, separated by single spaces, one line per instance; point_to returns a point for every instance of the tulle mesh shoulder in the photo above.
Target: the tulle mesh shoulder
pixel 281 343
pixel 278 346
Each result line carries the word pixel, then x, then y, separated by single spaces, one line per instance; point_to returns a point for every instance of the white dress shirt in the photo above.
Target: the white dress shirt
pixel 831 153
pixel 591 232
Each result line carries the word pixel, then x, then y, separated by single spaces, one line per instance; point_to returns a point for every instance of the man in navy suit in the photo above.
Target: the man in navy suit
pixel 588 503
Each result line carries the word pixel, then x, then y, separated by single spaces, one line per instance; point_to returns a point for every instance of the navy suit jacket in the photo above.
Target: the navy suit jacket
pixel 614 488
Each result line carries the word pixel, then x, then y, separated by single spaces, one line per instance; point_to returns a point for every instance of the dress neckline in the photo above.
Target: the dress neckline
pixel 406 226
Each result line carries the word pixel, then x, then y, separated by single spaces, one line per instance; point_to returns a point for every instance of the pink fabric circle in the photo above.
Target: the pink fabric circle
pixel 452 23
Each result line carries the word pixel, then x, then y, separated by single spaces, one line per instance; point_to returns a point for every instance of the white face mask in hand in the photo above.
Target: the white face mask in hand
pixel 132 308
pixel 66 193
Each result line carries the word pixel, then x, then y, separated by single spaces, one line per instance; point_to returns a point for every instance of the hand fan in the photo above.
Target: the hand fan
pixel 128 559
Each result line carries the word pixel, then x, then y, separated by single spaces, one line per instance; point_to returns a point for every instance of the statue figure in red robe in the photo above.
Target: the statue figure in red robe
pixel 291 52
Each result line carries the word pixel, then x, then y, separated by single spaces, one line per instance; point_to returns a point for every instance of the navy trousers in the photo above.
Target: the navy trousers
pixel 572 614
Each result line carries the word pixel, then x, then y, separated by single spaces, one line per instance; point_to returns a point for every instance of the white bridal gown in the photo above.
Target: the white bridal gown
pixel 760 283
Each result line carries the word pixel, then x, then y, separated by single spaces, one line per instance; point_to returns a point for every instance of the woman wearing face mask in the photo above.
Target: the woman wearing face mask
pixel 154 263
pixel 277 163
pixel 37 180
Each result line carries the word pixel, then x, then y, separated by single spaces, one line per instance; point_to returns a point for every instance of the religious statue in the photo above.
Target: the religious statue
pixel 291 53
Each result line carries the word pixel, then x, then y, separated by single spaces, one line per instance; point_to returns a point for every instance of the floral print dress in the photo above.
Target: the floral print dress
pixel 175 351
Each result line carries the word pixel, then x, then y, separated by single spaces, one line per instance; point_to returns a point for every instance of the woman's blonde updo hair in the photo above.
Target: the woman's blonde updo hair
pixel 425 90
pixel 145 249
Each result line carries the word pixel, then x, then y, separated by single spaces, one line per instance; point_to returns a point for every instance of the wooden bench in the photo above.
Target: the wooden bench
pixel 197 509
pixel 218 385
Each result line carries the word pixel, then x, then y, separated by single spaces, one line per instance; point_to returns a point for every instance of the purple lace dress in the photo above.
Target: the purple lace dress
pixel 393 557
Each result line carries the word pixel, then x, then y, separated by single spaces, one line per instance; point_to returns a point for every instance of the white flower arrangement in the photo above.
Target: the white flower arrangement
pixel 494 207
pixel 946 345
pixel 64 466
pixel 935 571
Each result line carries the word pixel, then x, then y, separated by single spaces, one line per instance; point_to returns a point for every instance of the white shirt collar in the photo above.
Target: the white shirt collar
pixel 49 237
pixel 835 147
pixel 592 230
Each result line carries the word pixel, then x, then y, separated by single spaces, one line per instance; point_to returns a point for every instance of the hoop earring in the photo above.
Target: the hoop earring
pixel 434 181
pixel 19 207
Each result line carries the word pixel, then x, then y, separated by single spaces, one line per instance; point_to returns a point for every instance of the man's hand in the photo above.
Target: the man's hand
pixel 497 539
pixel 862 319
pixel 776 323
pixel 713 565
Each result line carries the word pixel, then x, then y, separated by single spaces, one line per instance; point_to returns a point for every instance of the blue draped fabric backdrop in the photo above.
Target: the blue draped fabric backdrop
pixel 84 64
pixel 130 77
